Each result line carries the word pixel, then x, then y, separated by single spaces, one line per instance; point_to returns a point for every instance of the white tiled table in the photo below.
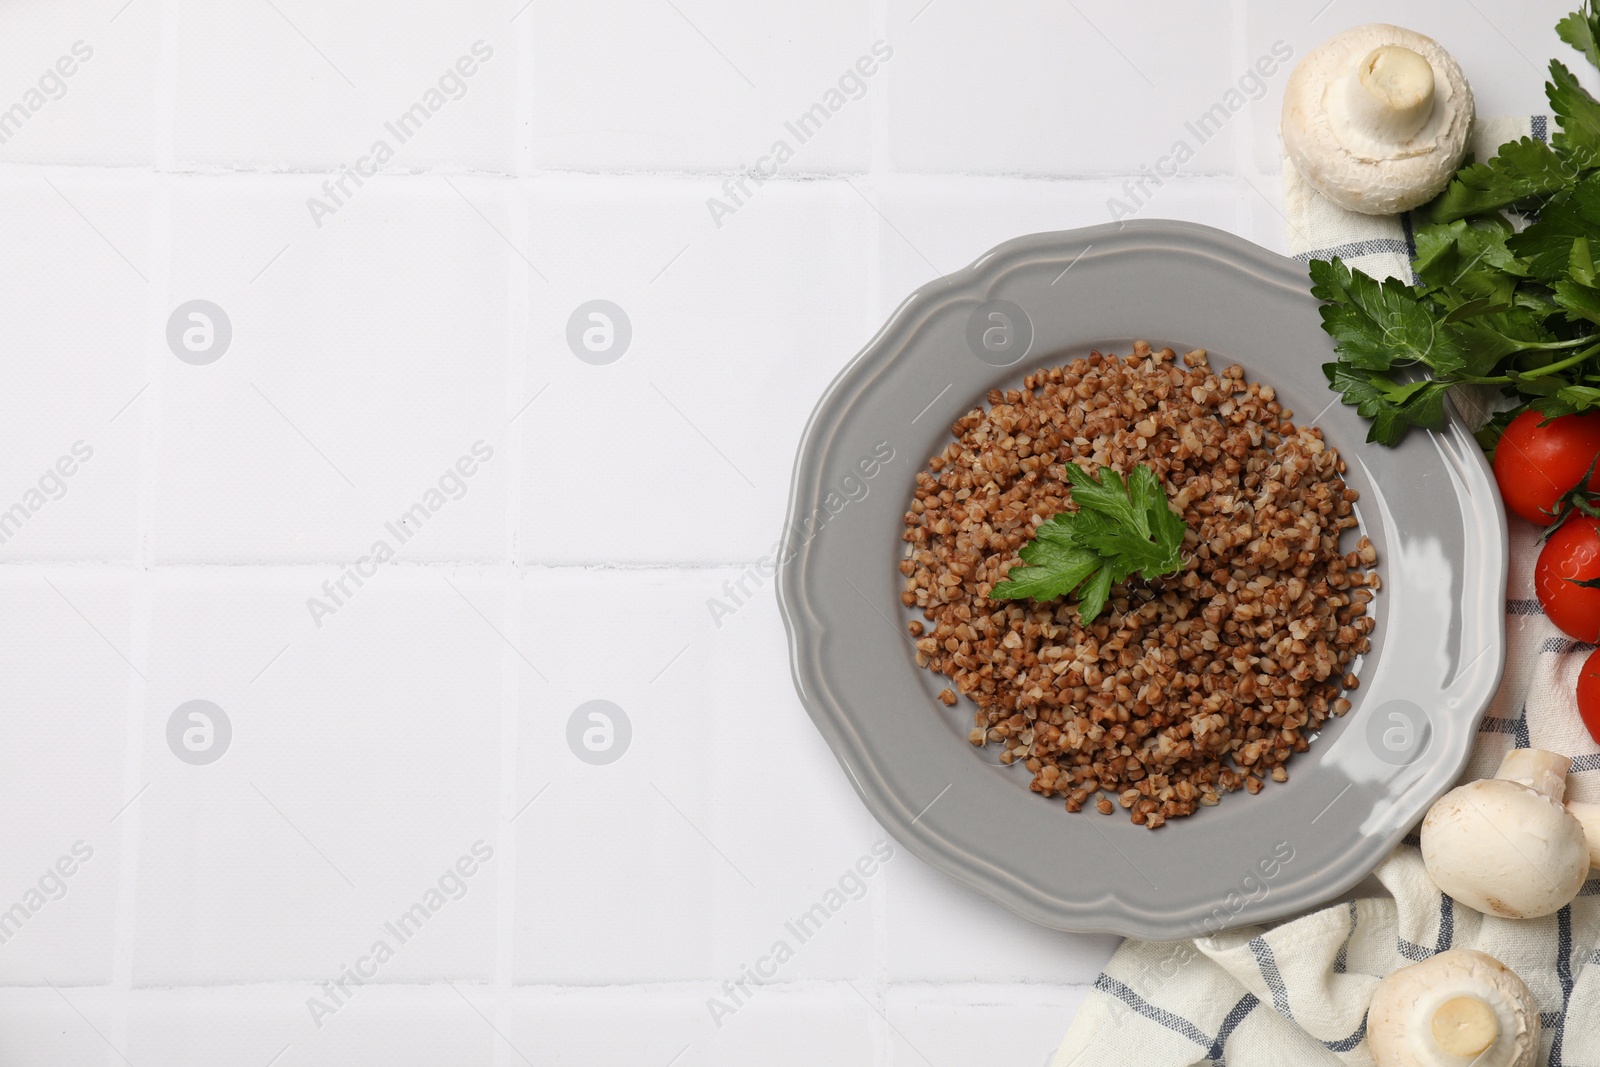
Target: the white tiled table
pixel 374 345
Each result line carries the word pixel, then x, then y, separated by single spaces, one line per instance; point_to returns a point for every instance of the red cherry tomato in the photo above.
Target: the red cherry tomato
pixel 1572 555
pixel 1589 693
pixel 1538 465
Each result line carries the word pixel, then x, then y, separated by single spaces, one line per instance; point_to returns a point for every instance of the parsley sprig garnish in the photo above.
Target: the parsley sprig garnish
pixel 1515 310
pixel 1118 529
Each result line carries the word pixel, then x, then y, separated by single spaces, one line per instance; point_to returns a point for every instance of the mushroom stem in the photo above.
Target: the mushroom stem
pixel 1376 118
pixel 1589 815
pixel 1465 1026
pixel 1542 771
pixel 1391 93
pixel 1459 1008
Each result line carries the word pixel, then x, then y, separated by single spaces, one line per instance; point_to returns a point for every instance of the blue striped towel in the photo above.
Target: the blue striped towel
pixel 1297 992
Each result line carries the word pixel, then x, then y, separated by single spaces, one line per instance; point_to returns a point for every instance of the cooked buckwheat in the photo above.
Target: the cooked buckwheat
pixel 1186 687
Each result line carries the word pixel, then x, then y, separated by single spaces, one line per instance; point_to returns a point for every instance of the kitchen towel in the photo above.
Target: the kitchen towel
pixel 1296 992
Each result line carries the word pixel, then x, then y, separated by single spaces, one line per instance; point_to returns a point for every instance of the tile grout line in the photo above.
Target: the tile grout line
pixel 880 161
pixel 880 167
pixel 141 565
pixel 99 993
pixel 431 173
pixel 518 353
pixel 165 120
pixel 522 165
pixel 129 828
pixel 1244 136
pixel 131 831
pixel 506 843
pixel 880 984
pixel 519 337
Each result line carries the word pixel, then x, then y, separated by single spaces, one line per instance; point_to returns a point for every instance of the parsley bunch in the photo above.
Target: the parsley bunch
pixel 1494 306
pixel 1118 529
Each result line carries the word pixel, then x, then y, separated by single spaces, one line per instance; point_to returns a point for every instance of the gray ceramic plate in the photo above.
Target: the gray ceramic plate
pixel 1429 506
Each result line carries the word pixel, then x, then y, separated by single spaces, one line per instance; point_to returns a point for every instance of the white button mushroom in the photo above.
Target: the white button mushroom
pixel 1537 768
pixel 1455 1009
pixel 1376 118
pixel 1506 845
pixel 1589 816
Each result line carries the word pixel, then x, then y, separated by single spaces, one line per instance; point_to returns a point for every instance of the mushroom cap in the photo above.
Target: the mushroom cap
pixel 1505 849
pixel 1357 171
pixel 1401 1021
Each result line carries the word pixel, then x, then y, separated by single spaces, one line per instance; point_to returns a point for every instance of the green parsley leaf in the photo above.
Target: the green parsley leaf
pixel 1056 565
pixel 1521 170
pixel 1519 311
pixel 1119 529
pixel 1376 326
pixel 1579 114
pixel 1496 332
pixel 1553 407
pixel 1393 407
pixel 1581 29
pixel 1581 264
pixel 1581 302
pixel 1468 260
pixel 1547 245
pixel 1579 396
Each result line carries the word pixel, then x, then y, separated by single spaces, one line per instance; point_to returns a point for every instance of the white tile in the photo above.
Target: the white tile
pixel 376 339
pixel 582 1027
pixel 724 820
pixel 1074 89
pixel 778 1026
pixel 62 753
pixel 365 363
pixel 977 940
pixel 1504 48
pixel 252 1026
pixel 699 84
pixel 82 85
pixel 1264 221
pixel 71 462
pixel 306 85
pixel 936 225
pixel 735 333
pixel 362 766
pixel 981 1024
pixel 794 1028
pixel 49 1028
pixel 230 1026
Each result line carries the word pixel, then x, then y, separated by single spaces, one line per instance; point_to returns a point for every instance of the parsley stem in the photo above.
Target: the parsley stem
pixel 1572 360
pixel 1539 372
pixel 1545 346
